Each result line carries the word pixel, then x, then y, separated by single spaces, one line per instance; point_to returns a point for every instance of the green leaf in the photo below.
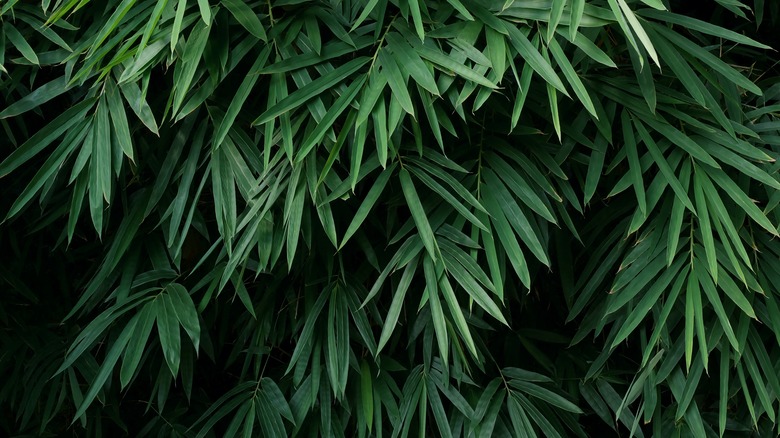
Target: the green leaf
pixel 741 199
pixel 395 306
pixel 111 24
pixel 701 26
pixel 723 216
pixel 371 95
pixel 637 28
pixel 437 314
pixel 691 300
pixel 572 77
pixel 48 169
pixel 338 107
pixel 723 389
pixel 677 138
pixel 577 10
pixel 705 227
pixel 635 168
pixel 409 60
pixel 168 330
pixel 670 301
pixel 556 12
pixel 648 301
pixel 415 9
pixel 439 415
pixel 41 95
pixel 552 99
pixel 516 217
pixel 448 197
pixel 438 172
pixel 308 330
pixel 44 137
pixel 177 23
pixel 246 17
pixel 16 38
pixel 367 393
pixel 457 254
pixel 107 368
pixel 119 120
pixel 185 71
pixel 734 292
pixel 137 344
pixel 520 423
pixel 457 314
pixel 522 95
pixel 139 106
pixel 396 81
pixel 418 214
pixel 461 8
pixel 238 100
pixel 475 291
pixel 159 8
pixel 506 237
pixel 368 203
pixel 184 309
pixel 664 167
pixel 545 395
pixel 312 89
pixel 520 187
pixel 531 55
pixel 717 305
pixel 270 420
pixel 101 154
pixel 449 65
pixel 367 9
pixel 205 11
pixel 379 118
pixel 708 58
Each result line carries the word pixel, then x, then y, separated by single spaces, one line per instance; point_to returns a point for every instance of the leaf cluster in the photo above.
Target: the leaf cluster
pixel 389 218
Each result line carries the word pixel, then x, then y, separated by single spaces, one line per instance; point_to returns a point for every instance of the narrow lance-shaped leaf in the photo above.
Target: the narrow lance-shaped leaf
pixel 168 329
pixel 314 88
pixel 418 214
pixel 437 314
pixel 571 76
pixel 184 309
pixel 395 306
pixel 137 344
pixel 45 137
pixel 107 368
pixel 534 59
pixel 246 17
pixel 395 79
pixel 368 202
pixel 36 98
pixel 635 168
pixel 238 100
pixel 338 107
pixel 16 38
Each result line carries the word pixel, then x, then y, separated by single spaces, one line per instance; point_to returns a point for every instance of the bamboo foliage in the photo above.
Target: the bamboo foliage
pixel 389 218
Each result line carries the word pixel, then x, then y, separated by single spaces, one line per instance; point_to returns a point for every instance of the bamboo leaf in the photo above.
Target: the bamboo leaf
pixel 16 38
pixel 397 82
pixel 312 89
pixel 368 203
pixel 106 368
pixel 395 306
pixel 532 56
pixel 246 17
pixel 418 214
pixel 168 329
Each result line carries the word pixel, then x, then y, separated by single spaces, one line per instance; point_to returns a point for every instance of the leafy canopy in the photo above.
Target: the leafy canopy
pixel 381 218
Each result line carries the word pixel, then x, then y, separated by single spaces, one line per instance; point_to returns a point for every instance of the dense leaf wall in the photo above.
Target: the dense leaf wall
pixel 383 218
